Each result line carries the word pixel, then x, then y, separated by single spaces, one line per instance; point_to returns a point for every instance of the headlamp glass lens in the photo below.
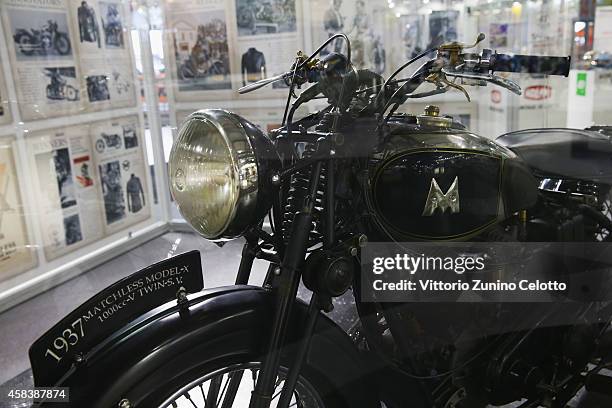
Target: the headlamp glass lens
pixel 202 176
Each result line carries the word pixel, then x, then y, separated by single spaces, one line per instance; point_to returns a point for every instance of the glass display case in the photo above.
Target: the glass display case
pixel 482 127
pixel 93 92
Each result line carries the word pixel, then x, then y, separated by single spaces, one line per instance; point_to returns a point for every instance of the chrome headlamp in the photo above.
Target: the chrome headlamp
pixel 220 173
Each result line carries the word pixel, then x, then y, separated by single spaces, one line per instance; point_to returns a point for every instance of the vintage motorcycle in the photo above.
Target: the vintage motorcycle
pixel 59 89
pixel 353 172
pixel 108 141
pixel 43 41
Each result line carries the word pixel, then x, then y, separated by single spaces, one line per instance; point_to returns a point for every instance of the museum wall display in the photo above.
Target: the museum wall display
pixel 74 172
pixel 90 181
pixel 78 53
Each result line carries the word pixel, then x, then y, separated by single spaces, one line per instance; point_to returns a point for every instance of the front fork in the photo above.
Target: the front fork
pixel 286 291
pixel 289 280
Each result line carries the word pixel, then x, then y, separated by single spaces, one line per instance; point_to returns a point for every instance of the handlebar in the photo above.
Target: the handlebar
pixel 531 64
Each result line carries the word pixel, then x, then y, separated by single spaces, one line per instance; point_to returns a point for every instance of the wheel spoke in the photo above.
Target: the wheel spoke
pixel 203 393
pixel 186 395
pixel 224 389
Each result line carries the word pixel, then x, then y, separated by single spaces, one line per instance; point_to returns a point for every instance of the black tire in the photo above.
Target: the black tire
pixel 72 94
pixel 210 354
pixel 24 42
pixel 62 44
pixel 155 355
pixel 234 350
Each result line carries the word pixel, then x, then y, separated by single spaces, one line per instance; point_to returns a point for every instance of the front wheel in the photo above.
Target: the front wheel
pixel 163 356
pixel 72 94
pixel 227 373
pixel 25 44
pixel 232 385
pixel 62 44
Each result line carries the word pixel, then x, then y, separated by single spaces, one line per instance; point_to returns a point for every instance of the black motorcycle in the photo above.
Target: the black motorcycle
pixel 43 41
pixel 354 172
pixel 59 89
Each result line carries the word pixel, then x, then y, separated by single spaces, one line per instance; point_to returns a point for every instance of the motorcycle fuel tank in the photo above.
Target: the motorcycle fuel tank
pixel 434 180
pixel 571 153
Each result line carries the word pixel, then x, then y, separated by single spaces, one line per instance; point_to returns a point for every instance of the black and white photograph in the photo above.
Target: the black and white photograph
pixel 40 34
pixel 63 174
pixel 135 194
pixel 201 51
pixel 333 23
pixel 108 141
pixel 442 27
pixel 89 29
pixel 112 190
pixel 357 19
pixel 412 35
pixel 97 88
pixel 130 137
pixel 112 24
pixel 72 229
pixel 255 17
pixel 62 84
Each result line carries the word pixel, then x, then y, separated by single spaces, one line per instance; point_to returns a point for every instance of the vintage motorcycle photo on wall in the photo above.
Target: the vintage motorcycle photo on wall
pixel 40 34
pixel 478 268
pixel 62 85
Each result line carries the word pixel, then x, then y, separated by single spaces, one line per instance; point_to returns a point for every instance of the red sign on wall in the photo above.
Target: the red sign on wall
pixel 538 92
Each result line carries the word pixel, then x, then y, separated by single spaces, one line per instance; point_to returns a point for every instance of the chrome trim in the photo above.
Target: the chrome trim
pixel 240 178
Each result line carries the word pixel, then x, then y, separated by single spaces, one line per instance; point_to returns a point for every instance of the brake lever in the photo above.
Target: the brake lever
pixel 492 78
pixel 436 91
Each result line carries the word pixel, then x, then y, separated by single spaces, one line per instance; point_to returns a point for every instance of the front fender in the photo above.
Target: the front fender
pixel 162 338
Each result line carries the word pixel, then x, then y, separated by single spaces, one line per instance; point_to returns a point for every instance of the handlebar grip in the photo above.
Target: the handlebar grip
pixel 531 63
